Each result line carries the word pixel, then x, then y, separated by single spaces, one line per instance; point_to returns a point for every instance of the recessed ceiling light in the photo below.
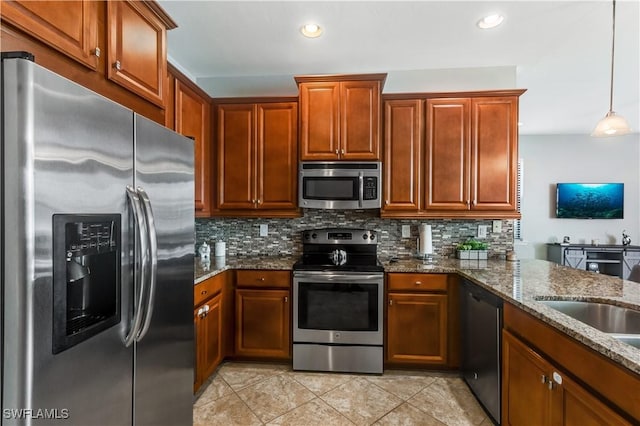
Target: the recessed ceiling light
pixel 490 21
pixel 311 30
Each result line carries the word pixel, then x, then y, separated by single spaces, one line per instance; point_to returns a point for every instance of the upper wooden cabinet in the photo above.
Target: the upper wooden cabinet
pixel 70 27
pixel 136 51
pixel 188 112
pixel 340 117
pixel 257 159
pixel 469 165
pixel 403 147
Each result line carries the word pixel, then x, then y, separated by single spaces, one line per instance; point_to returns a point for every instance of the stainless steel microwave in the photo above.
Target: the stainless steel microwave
pixel 340 185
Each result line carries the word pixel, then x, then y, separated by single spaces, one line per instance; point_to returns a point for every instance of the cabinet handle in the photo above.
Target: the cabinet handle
pixel 386 202
pixel 467 202
pixel 550 384
pixel 96 52
pixel 117 65
pixel 342 151
pixel 286 299
pixel 203 292
pixel 473 203
pixel 543 379
pixel 259 201
pixel 262 279
pixel 418 282
pixel 390 302
pixel 337 152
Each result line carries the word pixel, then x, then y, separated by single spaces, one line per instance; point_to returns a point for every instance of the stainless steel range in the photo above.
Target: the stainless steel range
pixel 338 290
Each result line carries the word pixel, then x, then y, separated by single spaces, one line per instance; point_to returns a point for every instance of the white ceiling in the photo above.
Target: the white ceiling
pixel 558 50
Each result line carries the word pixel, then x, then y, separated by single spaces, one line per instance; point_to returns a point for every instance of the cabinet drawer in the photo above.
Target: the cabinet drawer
pixel 261 278
pixel 207 288
pixel 417 282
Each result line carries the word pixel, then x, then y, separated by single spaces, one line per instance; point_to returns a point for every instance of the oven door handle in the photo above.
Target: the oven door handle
pixel 330 277
pixel 361 189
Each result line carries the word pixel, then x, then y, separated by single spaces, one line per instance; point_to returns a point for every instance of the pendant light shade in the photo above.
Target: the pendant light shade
pixel 612 124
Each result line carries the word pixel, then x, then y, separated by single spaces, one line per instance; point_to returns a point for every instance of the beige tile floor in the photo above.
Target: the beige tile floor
pixel 273 394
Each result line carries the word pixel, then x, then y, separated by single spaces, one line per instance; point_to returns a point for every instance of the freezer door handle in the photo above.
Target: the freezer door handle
pixel 151 264
pixel 140 253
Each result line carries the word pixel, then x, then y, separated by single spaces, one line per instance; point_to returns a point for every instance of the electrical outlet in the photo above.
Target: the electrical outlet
pixel 406 231
pixel 497 226
pixel 264 229
pixel 482 231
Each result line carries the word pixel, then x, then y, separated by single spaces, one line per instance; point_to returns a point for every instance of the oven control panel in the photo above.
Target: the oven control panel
pixel 339 236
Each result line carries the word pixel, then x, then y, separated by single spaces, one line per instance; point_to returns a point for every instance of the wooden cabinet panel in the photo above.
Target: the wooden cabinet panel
pixel 262 324
pixel 319 118
pixel 403 147
pixel 552 396
pixel 575 363
pixel 494 152
pixel 136 52
pixel 71 27
pixel 417 329
pixel 524 372
pixel 340 117
pixel 277 160
pixel 236 156
pixel 447 154
pixel 417 282
pixel 360 120
pixel 257 158
pixel 208 339
pixel 207 289
pixel 263 279
pixel 192 119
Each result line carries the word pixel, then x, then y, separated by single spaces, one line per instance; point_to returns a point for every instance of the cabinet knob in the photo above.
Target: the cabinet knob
pixel 337 152
pixel 390 302
pixel 543 379
pixel 259 201
pixel 286 299
pixel 342 151
pixel 253 201
pixel 262 279
pixel 117 65
pixel 203 292
pixel 418 282
pixel 96 52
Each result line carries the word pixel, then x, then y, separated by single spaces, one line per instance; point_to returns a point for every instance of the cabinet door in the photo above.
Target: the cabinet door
pixel 68 26
pixel 447 154
pixel 192 119
pixel 236 156
pixel 262 323
pixel 574 406
pixel 402 155
pixel 277 158
pixel 136 54
pixel 212 335
pixel 360 120
pixel 525 393
pixel 319 125
pixel 417 328
pixel 494 146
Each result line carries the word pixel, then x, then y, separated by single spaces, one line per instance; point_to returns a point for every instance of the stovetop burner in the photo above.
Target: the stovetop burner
pixel 337 249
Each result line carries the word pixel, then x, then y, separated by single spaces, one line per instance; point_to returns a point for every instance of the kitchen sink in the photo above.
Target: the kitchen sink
pixel 620 322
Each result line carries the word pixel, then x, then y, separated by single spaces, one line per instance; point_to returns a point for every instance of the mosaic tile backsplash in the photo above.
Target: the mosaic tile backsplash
pixel 285 235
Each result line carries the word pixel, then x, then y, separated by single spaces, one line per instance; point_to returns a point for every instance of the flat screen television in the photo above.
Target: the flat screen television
pixel 590 200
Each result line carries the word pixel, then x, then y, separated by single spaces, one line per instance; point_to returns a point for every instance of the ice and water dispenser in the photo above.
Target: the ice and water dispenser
pixel 86 277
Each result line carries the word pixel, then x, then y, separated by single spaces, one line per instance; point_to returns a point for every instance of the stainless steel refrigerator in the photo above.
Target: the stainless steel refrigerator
pixel 96 258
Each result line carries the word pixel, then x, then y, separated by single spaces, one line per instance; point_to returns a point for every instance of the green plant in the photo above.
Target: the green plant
pixel 471 244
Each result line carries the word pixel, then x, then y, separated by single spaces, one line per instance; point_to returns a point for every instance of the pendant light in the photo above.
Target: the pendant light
pixel 612 124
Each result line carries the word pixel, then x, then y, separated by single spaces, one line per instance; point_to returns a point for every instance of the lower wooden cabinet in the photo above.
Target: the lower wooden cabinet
pixel 420 331
pixel 535 392
pixel 263 324
pixel 208 337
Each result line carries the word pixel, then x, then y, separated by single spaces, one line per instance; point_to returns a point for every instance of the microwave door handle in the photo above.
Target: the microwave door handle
pixel 140 250
pixel 361 189
pixel 152 263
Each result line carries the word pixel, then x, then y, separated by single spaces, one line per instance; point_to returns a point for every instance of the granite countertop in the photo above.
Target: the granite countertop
pixel 522 283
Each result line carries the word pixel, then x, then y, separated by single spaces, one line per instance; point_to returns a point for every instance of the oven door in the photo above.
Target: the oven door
pixel 338 308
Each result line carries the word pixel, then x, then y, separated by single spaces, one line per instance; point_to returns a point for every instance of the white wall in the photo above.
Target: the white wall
pixel 549 159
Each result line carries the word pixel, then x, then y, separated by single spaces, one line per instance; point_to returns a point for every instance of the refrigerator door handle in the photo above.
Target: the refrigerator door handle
pixel 153 261
pixel 140 275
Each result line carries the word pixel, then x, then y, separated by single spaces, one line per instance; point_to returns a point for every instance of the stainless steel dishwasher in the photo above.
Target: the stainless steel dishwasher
pixel 481 327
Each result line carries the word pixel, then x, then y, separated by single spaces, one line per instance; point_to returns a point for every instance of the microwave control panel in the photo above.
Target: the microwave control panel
pixel 370 190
